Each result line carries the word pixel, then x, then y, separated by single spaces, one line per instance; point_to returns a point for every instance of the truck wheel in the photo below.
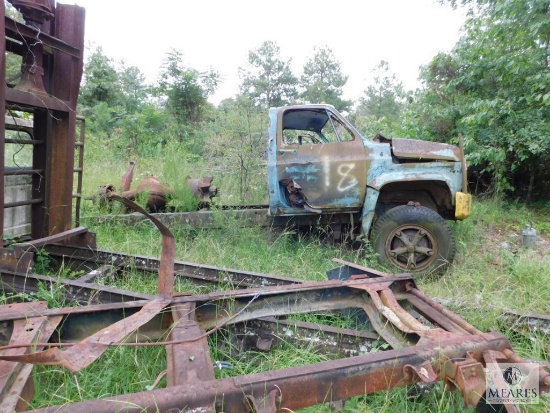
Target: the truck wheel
pixel 413 239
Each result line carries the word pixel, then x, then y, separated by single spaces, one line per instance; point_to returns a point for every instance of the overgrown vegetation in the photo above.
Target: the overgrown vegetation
pixel 492 274
pixel 493 88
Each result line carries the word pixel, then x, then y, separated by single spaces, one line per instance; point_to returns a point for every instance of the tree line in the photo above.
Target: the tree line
pixel 493 88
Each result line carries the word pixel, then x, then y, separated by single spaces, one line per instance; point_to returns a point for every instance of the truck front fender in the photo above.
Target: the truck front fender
pixel 453 181
pixel 375 185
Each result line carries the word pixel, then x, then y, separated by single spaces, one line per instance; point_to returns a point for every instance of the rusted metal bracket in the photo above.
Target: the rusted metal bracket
pixel 203 189
pixel 467 375
pixel 493 357
pixel 269 404
pixel 189 360
pixel 424 372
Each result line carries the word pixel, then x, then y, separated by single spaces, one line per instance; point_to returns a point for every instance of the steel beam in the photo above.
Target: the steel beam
pixel 2 120
pixel 89 259
pixel 299 387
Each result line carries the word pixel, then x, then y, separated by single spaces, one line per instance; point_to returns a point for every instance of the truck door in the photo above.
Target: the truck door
pixel 320 152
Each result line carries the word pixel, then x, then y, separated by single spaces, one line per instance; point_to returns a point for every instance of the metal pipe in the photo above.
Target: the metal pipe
pixel 449 314
pixel 24 141
pixel 24 171
pixel 23 203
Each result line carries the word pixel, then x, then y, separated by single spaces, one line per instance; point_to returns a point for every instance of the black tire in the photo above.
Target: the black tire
pixel 413 239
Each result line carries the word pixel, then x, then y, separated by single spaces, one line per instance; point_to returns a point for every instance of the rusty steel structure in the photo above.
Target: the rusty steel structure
pixel 425 342
pixel 50 45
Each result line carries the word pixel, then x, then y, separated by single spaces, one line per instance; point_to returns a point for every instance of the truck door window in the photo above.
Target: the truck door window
pixel 311 127
pixel 301 137
pixel 335 131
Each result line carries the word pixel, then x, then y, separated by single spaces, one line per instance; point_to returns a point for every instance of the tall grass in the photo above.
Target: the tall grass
pixel 492 274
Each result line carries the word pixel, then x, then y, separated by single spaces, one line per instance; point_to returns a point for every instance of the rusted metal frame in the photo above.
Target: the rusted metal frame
pixel 88 259
pixel 434 315
pixel 16 384
pixel 544 371
pixel 81 292
pixel 22 203
pixel 523 323
pixel 447 313
pixel 20 257
pixel 20 31
pixel 493 357
pixel 80 169
pixel 395 338
pixel 299 386
pixel 27 101
pixel 85 352
pixel 24 171
pixel 42 130
pixel 189 361
pixel 237 306
pixel 238 310
pixel 2 118
pixel 324 338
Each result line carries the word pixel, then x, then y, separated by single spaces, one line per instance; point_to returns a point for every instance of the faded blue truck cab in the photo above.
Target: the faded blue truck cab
pixel 398 191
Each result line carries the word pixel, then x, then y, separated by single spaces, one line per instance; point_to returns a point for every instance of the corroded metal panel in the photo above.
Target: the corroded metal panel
pixel 2 120
pixel 425 150
pixel 322 153
pixel 50 43
pixel 16 382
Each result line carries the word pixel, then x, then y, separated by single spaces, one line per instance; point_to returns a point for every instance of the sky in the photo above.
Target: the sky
pixel 219 34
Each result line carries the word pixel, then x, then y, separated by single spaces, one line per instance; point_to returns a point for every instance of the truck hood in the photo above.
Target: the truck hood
pixel 424 150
